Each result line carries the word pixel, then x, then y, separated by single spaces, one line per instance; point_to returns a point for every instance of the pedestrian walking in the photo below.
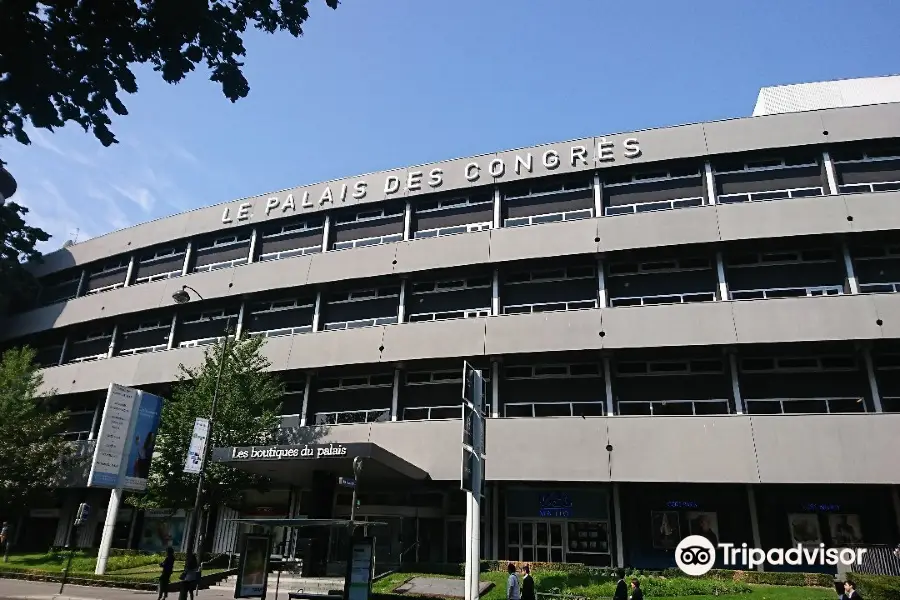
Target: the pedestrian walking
pixel 527 584
pixel 621 588
pixel 512 583
pixel 191 574
pixel 167 566
pixel 850 592
pixel 636 592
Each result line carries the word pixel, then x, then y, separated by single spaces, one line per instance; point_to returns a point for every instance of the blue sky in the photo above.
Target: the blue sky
pixel 389 83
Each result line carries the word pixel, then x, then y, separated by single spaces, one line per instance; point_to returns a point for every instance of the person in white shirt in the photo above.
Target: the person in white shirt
pixel 512 583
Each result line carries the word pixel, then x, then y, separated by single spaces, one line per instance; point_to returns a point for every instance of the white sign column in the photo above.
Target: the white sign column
pixel 472 473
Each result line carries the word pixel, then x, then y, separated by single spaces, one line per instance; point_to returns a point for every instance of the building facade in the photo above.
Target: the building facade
pixel 684 330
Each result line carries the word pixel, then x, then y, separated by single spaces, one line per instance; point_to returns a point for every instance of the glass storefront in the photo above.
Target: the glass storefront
pixel 558 525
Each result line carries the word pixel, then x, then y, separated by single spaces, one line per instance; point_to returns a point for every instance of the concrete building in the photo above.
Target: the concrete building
pixel 687 324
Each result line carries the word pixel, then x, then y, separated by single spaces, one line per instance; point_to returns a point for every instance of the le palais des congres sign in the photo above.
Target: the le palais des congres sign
pixel 543 163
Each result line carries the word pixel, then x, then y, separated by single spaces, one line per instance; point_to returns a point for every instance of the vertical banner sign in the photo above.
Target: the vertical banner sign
pixel 197 450
pixel 254 568
pixel 126 440
pixel 112 440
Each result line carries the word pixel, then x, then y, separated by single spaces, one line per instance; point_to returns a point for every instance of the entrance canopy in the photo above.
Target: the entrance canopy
pixel 304 523
pixel 295 463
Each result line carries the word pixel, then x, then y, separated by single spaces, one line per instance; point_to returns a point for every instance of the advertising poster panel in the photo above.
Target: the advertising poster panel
pixel 254 568
pixel 126 439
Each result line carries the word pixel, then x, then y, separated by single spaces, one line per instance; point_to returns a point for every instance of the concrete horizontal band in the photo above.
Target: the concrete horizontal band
pixel 786 320
pixel 722 449
pixel 820 127
pixel 705 224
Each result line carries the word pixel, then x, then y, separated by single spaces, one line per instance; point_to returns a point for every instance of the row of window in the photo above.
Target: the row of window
pixel 551 199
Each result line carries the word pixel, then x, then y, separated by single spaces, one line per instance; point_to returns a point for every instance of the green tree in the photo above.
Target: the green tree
pixel 64 60
pixel 247 414
pixel 18 247
pixel 32 454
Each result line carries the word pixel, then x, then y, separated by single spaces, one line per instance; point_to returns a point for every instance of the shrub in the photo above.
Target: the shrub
pixel 877 587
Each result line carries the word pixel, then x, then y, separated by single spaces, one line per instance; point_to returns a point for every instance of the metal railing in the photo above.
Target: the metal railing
pixel 106 288
pixel 880 288
pixel 290 253
pixel 157 277
pixel 815 405
pixel 760 294
pixel 662 299
pixel 590 408
pixel 227 264
pixel 713 406
pixel 538 307
pixel 803 192
pixel 876 186
pixel 143 350
pixel 452 314
pixel 640 207
pixel 432 413
pixel 360 323
pixel 369 241
pixel 569 215
pixel 271 333
pixel 452 230
pixel 374 415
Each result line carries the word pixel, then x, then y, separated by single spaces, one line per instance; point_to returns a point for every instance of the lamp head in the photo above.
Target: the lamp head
pixel 181 296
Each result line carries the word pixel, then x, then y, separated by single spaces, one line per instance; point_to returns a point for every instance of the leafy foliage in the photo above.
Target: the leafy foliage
pixel 32 455
pixel 18 247
pixel 247 414
pixel 66 61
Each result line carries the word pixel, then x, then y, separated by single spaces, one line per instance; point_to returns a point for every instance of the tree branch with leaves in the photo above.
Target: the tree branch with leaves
pixel 68 61
pixel 33 456
pixel 247 414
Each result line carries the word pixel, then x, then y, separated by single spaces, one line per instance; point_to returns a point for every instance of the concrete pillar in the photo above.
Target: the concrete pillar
pixel 62 352
pixel 317 312
pixel 495 389
pixel 724 294
pixel 498 208
pixel 407 221
pixel 852 281
pixel 401 308
pixel 186 266
pixel 251 255
pixel 239 329
pixel 305 406
pixel 598 196
pixel 735 383
pixel 710 179
pixel 129 274
pixel 620 535
pixel 326 234
pixel 395 394
pixel 873 382
pixel 602 294
pixel 754 520
pixel 830 174
pixel 112 342
pixel 607 380
pixel 495 293
pixel 82 283
pixel 171 343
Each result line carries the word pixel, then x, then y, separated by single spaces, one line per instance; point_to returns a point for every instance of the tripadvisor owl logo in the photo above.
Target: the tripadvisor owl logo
pixel 695 555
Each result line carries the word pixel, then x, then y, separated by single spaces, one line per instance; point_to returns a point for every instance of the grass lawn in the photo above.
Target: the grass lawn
pixel 603 590
pixel 133 568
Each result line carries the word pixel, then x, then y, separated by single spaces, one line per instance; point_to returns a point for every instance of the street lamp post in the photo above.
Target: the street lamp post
pixel 183 297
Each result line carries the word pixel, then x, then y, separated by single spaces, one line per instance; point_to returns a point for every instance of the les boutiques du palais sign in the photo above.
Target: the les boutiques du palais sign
pixel 474 171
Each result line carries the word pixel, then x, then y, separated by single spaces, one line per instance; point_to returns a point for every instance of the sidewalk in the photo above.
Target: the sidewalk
pixel 14 589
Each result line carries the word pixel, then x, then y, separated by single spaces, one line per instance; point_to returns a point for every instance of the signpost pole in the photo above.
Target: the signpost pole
pixel 109 525
pixel 472 479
